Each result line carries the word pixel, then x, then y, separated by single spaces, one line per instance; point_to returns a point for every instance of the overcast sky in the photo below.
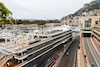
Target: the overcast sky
pixel 43 9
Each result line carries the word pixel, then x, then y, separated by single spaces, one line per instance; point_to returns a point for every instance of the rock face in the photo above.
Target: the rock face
pixel 93 2
pixel 87 7
pixel 98 1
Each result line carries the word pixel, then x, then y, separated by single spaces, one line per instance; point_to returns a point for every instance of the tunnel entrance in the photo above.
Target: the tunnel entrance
pixel 86 34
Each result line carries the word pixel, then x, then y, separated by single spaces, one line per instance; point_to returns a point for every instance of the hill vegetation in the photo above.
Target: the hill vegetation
pixel 83 9
pixel 87 9
pixel 42 22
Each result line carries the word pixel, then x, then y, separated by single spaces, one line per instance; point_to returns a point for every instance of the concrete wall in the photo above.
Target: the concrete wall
pixel 93 22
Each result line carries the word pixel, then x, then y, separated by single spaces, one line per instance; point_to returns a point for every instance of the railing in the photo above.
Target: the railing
pixel 97 25
pixel 25 55
pixel 38 43
pixel 96 31
pixel 86 31
pixel 41 54
pixel 88 28
pixel 22 56
pixel 21 63
pixel 96 36
pixel 50 64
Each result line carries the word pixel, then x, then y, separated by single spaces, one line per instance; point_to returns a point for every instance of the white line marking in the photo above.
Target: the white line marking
pixel 85 51
pixel 92 53
pixel 95 46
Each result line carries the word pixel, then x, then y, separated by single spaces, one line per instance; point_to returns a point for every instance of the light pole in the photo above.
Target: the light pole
pixel 15 22
pixel 64 20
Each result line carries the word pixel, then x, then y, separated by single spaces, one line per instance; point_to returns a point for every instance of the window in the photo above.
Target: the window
pixel 88 22
pixel 81 24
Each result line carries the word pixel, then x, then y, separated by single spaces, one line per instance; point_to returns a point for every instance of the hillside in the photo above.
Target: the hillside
pixel 87 9
pixel 91 6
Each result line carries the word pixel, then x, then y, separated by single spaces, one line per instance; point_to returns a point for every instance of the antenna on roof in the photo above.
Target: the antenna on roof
pixel 64 20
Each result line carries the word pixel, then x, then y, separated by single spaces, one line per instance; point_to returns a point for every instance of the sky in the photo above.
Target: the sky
pixel 43 9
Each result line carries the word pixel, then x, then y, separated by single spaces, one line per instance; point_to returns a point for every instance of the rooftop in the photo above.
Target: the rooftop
pixel 22 41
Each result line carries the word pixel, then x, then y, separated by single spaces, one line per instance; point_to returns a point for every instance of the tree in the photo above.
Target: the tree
pixel 5 15
pixel 96 22
pixel 42 26
pixel 95 14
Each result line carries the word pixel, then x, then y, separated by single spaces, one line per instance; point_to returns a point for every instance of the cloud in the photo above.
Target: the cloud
pixel 43 9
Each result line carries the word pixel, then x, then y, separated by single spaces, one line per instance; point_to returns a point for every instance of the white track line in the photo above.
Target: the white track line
pixel 95 46
pixel 85 52
pixel 92 53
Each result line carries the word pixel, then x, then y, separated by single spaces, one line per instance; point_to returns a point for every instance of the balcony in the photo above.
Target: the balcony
pixel 21 56
pixel 97 25
pixel 96 31
pixel 98 37
pixel 88 28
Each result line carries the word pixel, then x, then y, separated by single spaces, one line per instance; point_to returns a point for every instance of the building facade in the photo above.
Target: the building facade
pixel 96 33
pixel 75 20
pixel 87 23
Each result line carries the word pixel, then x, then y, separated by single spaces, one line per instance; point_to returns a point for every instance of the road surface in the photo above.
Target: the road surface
pixel 68 61
pixel 91 53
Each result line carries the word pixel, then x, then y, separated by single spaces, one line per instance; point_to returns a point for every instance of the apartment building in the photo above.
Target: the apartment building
pixel 87 23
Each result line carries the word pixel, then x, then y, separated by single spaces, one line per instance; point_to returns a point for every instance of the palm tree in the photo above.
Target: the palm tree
pixel 5 15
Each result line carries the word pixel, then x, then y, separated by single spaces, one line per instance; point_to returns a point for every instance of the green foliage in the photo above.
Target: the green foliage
pixel 5 15
pixel 96 22
pixel 95 14
pixel 87 9
pixel 95 6
pixel 43 22
pixel 42 26
pixel 32 22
